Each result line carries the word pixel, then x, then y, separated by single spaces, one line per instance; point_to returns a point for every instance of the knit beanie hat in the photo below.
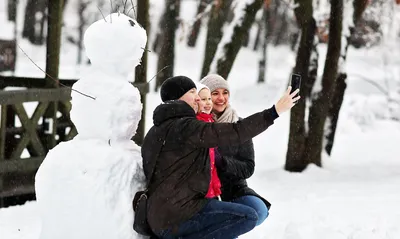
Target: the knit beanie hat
pixel 214 81
pixel 200 86
pixel 175 87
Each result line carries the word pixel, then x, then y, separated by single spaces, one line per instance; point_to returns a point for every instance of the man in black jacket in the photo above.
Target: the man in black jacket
pixel 176 160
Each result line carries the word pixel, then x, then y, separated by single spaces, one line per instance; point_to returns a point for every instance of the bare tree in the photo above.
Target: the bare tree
pixel 35 16
pixel 53 46
pixel 166 55
pixel 194 32
pixel 219 12
pixel 322 95
pixel 82 6
pixel 340 86
pixel 264 32
pixel 295 161
pixel 141 71
pixel 232 39
pixel 12 10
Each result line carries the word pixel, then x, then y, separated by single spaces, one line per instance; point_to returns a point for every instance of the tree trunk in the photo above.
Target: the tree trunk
pixel 12 10
pixel 264 31
pixel 283 28
pixel 52 67
pixel 166 55
pixel 29 20
pixel 218 14
pixel 295 161
pixel 82 23
pixel 53 41
pixel 259 35
pixel 322 98
pixel 156 46
pixel 333 114
pixel 340 87
pixel 31 30
pixel 194 33
pixel 41 36
pixel 231 42
pixel 141 71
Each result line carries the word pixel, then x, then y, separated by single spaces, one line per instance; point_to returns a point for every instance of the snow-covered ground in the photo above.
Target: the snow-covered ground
pixel 354 196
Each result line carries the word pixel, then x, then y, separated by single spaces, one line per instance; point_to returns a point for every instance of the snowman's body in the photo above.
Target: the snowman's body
pixel 85 186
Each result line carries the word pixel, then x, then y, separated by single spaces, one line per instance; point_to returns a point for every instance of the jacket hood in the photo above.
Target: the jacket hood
pixel 172 109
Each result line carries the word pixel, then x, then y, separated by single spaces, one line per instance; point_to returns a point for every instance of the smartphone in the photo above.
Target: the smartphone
pixel 295 82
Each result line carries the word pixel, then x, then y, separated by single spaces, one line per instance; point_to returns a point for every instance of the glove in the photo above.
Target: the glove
pixel 219 161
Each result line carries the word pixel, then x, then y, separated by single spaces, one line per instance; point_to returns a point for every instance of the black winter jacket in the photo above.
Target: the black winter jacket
pixel 176 147
pixel 238 165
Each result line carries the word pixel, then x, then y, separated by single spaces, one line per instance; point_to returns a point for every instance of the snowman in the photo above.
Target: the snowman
pixel 85 186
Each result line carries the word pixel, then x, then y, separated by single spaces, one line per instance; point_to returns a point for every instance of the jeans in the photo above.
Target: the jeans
pixel 217 220
pixel 257 204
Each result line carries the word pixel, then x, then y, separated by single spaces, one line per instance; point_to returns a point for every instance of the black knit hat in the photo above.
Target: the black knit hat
pixel 175 87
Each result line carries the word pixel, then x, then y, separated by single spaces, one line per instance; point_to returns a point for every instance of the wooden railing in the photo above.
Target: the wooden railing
pixel 26 139
pixel 28 132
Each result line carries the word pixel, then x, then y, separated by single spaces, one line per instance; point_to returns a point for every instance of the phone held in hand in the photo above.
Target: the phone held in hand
pixel 295 82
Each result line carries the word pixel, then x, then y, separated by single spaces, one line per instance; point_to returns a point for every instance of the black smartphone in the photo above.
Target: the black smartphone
pixel 295 82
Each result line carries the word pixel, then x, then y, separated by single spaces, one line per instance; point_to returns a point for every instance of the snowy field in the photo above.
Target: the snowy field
pixel 354 196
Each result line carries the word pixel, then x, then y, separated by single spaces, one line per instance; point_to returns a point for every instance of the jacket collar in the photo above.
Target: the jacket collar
pixel 172 109
pixel 204 117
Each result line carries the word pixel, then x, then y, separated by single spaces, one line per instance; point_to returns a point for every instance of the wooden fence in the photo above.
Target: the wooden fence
pixel 33 120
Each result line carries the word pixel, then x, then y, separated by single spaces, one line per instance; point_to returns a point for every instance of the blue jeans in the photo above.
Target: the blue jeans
pixel 255 203
pixel 217 220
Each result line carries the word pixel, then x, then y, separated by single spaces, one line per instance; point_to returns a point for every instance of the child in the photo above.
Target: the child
pixel 204 114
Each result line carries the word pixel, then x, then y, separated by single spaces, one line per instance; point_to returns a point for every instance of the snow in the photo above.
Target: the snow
pixel 85 186
pixel 347 24
pixel 354 196
pixel 123 44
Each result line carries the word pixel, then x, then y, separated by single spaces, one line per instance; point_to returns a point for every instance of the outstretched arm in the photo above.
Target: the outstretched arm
pixel 209 135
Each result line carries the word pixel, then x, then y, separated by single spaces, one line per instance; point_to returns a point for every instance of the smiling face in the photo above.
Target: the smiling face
pixel 220 99
pixel 191 98
pixel 205 103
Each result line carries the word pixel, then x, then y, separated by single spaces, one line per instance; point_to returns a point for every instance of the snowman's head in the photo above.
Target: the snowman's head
pixel 116 42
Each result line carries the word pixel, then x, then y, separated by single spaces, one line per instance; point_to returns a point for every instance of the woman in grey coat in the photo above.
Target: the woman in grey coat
pixel 234 163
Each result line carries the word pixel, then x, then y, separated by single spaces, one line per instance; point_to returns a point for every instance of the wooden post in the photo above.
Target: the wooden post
pixel 54 21
pixel 141 71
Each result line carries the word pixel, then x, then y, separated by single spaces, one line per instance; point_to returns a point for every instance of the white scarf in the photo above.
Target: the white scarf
pixel 228 116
